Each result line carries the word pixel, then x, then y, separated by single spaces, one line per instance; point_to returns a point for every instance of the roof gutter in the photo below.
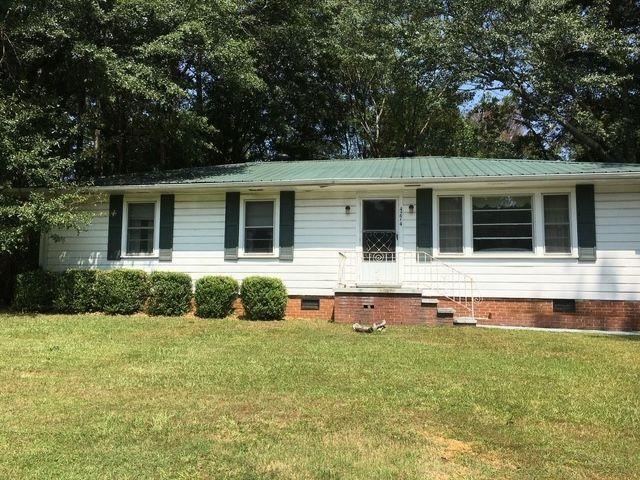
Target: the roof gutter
pixel 371 181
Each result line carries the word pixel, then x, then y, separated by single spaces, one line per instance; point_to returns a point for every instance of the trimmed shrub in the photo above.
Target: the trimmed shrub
pixel 122 291
pixel 34 291
pixel 264 298
pixel 75 291
pixel 215 296
pixel 170 293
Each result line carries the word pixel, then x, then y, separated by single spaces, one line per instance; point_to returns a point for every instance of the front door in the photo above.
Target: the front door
pixel 379 237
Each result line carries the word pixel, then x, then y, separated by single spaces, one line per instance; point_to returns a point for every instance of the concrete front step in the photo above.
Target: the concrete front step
pixel 446 312
pixel 464 321
pixel 430 301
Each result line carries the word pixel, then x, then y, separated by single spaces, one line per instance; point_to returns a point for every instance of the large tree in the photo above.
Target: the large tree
pixel 292 108
pixel 91 88
pixel 495 127
pixel 573 66
pixel 401 83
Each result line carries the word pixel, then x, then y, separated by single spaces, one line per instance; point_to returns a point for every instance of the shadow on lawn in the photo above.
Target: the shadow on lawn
pixel 626 338
pixel 15 313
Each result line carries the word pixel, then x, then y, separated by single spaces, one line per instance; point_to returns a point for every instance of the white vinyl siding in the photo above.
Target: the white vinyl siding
pixel 323 228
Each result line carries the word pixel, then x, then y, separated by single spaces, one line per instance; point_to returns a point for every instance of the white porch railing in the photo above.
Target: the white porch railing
pixel 410 269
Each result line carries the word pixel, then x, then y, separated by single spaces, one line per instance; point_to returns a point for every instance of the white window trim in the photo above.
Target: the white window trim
pixel 156 228
pixel 537 214
pixel 276 225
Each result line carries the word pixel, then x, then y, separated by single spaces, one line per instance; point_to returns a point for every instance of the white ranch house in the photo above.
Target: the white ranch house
pixel 408 240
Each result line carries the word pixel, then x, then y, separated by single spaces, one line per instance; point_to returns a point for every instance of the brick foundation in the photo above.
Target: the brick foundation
pixel 407 309
pixel 590 314
pixel 397 309
pixel 294 308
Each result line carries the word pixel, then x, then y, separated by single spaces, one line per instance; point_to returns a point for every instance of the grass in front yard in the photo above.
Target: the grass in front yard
pixel 137 397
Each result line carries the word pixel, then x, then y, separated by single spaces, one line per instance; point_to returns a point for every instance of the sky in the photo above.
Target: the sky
pixel 477 96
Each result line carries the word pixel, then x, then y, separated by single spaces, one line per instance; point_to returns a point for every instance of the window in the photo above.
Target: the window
pixel 557 226
pixel 140 228
pixel 258 226
pixel 450 219
pixel 502 224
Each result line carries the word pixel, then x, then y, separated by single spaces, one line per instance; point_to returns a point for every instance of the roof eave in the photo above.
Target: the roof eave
pixel 370 181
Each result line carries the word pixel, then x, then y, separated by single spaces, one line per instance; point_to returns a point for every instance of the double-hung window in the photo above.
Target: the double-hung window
pixel 557 224
pixel 259 226
pixel 451 224
pixel 502 223
pixel 140 233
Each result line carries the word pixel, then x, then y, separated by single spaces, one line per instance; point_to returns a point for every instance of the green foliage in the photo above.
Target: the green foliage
pixel 75 291
pixel 264 298
pixel 401 81
pixel 34 291
pixel 572 69
pixel 215 296
pixel 122 291
pixel 494 128
pixel 30 139
pixel 170 293
pixel 90 88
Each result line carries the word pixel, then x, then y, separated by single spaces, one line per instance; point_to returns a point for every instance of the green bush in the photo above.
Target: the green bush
pixel 215 296
pixel 34 291
pixel 122 291
pixel 170 293
pixel 264 298
pixel 75 291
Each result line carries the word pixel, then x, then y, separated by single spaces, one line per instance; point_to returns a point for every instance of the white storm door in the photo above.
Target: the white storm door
pixel 379 264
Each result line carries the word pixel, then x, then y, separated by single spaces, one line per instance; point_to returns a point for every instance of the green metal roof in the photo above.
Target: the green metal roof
pixel 374 170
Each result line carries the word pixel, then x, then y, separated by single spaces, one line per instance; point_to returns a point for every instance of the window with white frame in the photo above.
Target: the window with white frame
pixel 502 223
pixel 140 232
pixel 557 224
pixel 259 226
pixel 450 220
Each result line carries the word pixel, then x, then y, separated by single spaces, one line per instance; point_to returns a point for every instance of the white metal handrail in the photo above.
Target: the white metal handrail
pixel 418 270
pixel 342 261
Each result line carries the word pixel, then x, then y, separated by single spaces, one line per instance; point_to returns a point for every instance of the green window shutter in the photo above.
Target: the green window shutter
pixel 114 236
pixel 231 225
pixel 586 212
pixel 287 218
pixel 166 227
pixel 424 220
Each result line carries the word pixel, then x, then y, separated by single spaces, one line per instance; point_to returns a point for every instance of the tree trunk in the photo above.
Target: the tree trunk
pixel 199 95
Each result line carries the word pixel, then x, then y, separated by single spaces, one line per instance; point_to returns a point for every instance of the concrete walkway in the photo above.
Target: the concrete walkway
pixel 562 330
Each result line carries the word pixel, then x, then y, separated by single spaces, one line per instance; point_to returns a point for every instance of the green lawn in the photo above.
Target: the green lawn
pixel 137 397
